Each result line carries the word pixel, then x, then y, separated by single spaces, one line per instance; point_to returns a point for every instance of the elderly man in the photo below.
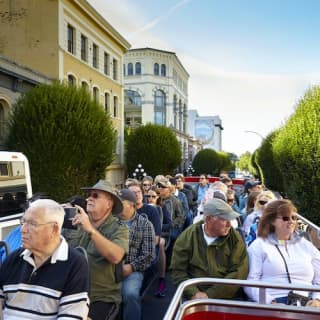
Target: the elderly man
pixel 45 279
pixel 211 248
pixel 141 254
pixel 106 241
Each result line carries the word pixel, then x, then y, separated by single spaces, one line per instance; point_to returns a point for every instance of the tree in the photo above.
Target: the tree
pixel 207 161
pixel 155 147
pixel 67 137
pixel 244 162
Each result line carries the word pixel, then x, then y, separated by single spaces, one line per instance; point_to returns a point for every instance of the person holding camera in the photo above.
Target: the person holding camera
pixel 281 255
pixel 45 278
pixel 106 240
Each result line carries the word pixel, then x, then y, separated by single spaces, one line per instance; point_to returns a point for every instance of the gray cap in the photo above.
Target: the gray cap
pixel 103 185
pixel 219 208
pixel 126 194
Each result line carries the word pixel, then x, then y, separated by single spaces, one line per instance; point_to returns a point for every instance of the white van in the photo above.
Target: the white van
pixel 15 189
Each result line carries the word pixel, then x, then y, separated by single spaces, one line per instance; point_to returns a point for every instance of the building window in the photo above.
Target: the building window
pixel 175 111
pixel 95 93
pixel 107 102
pixel 185 116
pixel 84 48
pixel 115 69
pixel 130 69
pixel 163 70
pixel 71 39
pixel 160 107
pixel 71 81
pixel 106 64
pixel 138 68
pixel 156 69
pixel 115 107
pixel 95 56
pixel 124 69
pixel 2 121
pixel 132 98
pixel 85 86
pixel 180 115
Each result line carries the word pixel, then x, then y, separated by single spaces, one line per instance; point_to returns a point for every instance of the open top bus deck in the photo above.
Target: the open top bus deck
pixel 220 309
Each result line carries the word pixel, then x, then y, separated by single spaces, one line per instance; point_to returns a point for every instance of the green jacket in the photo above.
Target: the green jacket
pixel 225 258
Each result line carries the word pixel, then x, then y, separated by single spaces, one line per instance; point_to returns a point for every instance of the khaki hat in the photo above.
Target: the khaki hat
pixel 163 181
pixel 103 185
pixel 219 208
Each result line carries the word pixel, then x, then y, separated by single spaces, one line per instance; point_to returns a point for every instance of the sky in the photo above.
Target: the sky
pixel 250 61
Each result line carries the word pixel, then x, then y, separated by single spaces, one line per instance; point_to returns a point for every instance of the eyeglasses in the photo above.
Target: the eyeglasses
pixel 161 186
pixel 93 195
pixel 286 218
pixel 151 196
pixel 33 224
pixel 146 185
pixel 262 202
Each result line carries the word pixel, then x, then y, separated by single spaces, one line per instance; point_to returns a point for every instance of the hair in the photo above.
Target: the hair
pixel 180 176
pixel 271 211
pixel 203 174
pixel 225 179
pixel 131 182
pixel 218 185
pixel 52 210
pixel 251 201
pixel 147 178
pixel 263 194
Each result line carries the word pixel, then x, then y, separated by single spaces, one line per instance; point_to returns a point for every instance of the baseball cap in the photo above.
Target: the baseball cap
pixel 126 194
pixel 164 182
pixel 219 208
pixel 251 184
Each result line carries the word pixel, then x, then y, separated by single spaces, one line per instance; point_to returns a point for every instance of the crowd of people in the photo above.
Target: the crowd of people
pixel 96 267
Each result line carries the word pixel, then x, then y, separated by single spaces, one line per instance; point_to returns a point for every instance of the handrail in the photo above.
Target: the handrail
pixel 177 298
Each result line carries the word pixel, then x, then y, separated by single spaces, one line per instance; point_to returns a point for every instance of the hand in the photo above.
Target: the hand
pixel 127 269
pixel 199 295
pixel 313 303
pixel 81 219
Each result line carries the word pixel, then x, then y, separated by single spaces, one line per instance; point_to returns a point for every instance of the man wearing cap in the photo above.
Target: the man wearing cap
pixel 211 248
pixel 141 254
pixel 249 186
pixel 105 238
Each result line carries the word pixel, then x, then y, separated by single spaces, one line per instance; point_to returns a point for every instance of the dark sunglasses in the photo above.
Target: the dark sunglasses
pixel 146 185
pixel 286 218
pixel 93 195
pixel 149 196
pixel 161 186
pixel 262 202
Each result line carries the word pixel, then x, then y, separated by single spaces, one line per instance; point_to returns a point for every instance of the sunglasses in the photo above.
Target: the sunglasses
pixel 93 195
pixel 262 202
pixel 286 218
pixel 146 185
pixel 150 196
pixel 161 186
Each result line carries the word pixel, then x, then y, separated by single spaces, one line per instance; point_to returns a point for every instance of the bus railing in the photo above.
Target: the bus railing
pixel 178 308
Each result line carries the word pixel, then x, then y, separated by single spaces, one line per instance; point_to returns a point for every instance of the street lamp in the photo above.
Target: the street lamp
pixel 190 170
pixel 256 133
pixel 139 172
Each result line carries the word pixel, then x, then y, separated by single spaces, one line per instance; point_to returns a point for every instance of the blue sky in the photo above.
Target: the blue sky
pixel 250 61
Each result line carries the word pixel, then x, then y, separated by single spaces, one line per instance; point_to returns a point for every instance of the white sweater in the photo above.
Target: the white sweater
pixel 266 264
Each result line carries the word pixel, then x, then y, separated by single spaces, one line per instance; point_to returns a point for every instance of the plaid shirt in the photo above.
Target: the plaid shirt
pixel 141 243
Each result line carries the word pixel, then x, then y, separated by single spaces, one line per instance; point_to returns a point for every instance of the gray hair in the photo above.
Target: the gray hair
pixel 53 211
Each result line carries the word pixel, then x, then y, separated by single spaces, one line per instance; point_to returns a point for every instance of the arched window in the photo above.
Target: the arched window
pixel 95 93
pixel 85 86
pixel 163 70
pixel 130 69
pixel 175 111
pixel 156 69
pixel 138 68
pixel 115 107
pixel 107 102
pixel 132 98
pixel 160 107
pixel 2 120
pixel 71 80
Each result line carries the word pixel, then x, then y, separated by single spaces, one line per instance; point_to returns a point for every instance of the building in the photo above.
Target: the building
pixel 68 40
pixel 206 129
pixel 156 91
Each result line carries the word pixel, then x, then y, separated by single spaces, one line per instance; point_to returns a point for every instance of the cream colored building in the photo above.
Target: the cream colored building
pixel 156 91
pixel 70 41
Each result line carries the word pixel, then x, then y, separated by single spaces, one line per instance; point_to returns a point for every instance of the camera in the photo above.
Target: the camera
pixel 69 214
